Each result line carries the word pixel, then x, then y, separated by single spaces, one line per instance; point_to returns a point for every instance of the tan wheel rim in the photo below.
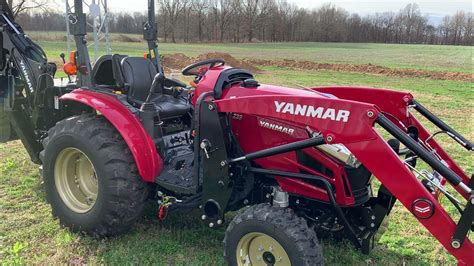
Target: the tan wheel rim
pixel 76 180
pixel 260 249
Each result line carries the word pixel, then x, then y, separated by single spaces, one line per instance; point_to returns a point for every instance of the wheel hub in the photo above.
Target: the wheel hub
pixel 260 249
pixel 76 180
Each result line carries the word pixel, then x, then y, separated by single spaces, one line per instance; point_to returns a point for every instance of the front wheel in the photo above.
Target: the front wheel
pixel 90 177
pixel 268 235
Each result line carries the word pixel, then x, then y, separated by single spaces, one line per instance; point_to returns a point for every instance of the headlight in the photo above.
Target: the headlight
pixel 341 153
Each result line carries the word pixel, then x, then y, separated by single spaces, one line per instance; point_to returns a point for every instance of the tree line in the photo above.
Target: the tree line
pixel 278 21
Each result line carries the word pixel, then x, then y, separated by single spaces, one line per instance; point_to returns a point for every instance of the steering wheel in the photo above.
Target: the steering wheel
pixel 193 70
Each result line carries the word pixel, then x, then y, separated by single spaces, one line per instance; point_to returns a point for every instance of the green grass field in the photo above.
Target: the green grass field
pixel 29 234
pixel 426 57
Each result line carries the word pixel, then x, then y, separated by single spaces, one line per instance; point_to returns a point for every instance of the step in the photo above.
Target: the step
pixel 178 173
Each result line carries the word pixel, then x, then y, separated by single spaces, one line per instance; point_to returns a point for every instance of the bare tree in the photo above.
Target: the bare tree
pixel 272 20
pixel 445 29
pixel 223 10
pixel 410 14
pixel 252 11
pixel 173 9
pixel 200 7
pixel 458 21
pixel 20 6
pixel 468 29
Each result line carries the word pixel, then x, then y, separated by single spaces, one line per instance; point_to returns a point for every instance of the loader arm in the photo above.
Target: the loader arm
pixel 359 135
pixel 399 106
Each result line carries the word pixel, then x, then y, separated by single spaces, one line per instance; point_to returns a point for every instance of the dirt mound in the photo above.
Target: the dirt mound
pixel 231 61
pixel 128 38
pixel 366 68
pixel 176 61
pixel 179 61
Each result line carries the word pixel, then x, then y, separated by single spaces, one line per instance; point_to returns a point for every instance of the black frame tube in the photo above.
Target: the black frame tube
pixel 78 7
pixel 465 223
pixel 150 34
pixel 79 30
pixel 302 144
pixel 424 154
pixel 443 126
pixel 327 187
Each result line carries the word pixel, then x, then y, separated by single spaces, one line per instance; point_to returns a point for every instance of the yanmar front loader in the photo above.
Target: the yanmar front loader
pixel 299 162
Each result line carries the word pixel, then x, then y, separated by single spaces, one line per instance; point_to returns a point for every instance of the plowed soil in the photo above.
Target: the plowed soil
pixel 366 68
pixel 179 61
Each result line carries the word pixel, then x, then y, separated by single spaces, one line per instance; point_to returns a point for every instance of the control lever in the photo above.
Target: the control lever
pixel 62 55
pixel 205 145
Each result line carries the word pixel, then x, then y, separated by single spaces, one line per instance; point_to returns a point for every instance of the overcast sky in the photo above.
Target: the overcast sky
pixel 432 7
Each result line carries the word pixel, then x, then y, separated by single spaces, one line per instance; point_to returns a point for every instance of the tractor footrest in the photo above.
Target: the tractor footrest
pixel 178 175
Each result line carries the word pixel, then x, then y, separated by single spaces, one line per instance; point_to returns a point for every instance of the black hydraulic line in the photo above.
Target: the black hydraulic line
pixel 443 126
pixel 327 187
pixel 298 145
pixel 424 154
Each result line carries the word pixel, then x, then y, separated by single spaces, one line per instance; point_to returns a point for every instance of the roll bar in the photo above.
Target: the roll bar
pixel 150 34
pixel 77 23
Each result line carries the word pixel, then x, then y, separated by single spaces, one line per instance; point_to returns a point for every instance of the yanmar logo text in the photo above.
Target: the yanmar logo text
pixel 312 111
pixel 276 127
pixel 27 78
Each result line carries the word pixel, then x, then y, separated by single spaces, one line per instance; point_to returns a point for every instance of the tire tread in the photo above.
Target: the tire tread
pixel 128 192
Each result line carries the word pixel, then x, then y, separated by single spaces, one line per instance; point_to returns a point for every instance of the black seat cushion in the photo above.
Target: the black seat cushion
pixel 139 73
pixel 171 107
pixel 105 73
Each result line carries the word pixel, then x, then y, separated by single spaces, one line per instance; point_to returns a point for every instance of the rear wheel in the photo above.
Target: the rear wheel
pixel 267 235
pixel 90 177
pixel 76 180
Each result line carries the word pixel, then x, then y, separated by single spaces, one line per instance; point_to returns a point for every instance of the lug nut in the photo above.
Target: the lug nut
pixel 211 225
pixel 219 222
pixel 203 217
pixel 211 107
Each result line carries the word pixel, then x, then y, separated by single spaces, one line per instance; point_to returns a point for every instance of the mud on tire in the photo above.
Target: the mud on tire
pixel 120 191
pixel 283 226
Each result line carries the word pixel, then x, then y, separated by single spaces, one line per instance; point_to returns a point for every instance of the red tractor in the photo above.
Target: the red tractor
pixel 299 162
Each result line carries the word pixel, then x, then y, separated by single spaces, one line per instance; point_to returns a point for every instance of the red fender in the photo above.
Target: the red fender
pixel 139 142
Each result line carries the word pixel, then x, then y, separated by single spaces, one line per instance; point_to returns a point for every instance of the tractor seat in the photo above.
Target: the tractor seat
pixel 139 73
